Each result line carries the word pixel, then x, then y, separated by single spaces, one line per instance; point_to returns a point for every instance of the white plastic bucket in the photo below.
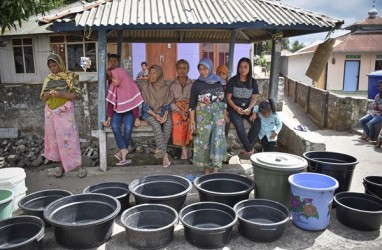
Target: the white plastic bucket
pixel 14 179
pixel 312 197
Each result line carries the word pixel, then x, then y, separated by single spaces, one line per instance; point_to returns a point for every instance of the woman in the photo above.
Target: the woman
pixel 241 94
pixel 181 89
pixel 123 94
pixel 222 71
pixel 61 139
pixel 207 107
pixel 156 107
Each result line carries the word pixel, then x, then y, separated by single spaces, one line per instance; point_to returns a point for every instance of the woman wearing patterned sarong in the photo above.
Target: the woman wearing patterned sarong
pixel 156 107
pixel 181 89
pixel 61 139
pixel 207 105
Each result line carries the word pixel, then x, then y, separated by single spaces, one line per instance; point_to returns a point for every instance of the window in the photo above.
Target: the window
pixel 72 48
pixel 217 52
pixel 23 55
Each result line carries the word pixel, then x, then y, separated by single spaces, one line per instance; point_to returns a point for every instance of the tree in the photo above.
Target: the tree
pixel 296 45
pixel 12 12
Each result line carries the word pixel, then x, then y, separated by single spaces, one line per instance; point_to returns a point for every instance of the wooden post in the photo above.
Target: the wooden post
pixel 231 52
pixel 102 58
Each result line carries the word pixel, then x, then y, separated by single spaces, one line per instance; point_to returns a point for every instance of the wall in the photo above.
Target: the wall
pixel 296 66
pixel 326 109
pixel 20 107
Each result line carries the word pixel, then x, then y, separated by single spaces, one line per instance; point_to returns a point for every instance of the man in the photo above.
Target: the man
pixel 144 74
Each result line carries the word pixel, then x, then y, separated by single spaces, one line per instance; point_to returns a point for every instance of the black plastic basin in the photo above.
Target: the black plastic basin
pixel 337 165
pixel 22 233
pixel 225 188
pixel 82 220
pixel 35 203
pixel 149 226
pixel 118 190
pixel 359 211
pixel 208 224
pixel 169 190
pixel 373 185
pixel 261 220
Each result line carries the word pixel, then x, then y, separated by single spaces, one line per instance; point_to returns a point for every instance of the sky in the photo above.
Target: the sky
pixel 351 11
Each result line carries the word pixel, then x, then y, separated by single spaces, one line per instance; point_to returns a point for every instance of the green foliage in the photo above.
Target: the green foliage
pixel 265 47
pixel 12 12
pixel 296 45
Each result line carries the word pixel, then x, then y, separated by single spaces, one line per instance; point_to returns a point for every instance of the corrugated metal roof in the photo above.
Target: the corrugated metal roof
pixel 183 20
pixel 256 19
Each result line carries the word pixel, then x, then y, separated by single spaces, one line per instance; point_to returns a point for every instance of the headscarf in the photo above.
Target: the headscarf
pixel 224 69
pixel 211 78
pixel 126 96
pixel 156 94
pixel 63 75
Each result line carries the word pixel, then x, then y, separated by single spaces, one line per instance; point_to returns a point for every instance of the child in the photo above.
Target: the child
pixel 270 124
pixel 207 105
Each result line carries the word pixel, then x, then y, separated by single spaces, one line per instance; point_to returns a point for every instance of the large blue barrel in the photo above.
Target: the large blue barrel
pixel 372 89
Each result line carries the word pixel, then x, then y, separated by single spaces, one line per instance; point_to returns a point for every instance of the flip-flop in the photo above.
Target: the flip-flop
pixel 82 172
pixel 59 172
pixel 301 128
pixel 124 163
pixel 116 156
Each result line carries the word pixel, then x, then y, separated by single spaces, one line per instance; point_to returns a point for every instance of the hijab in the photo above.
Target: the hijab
pixel 224 69
pixel 126 96
pixel 211 78
pixel 156 94
pixel 63 74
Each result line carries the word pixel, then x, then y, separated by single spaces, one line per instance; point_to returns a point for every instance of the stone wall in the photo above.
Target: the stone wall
pixel 326 109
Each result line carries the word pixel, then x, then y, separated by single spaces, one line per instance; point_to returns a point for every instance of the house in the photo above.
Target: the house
pixel 23 52
pixel 354 56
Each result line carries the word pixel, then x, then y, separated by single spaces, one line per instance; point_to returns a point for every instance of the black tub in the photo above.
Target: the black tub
pixel 261 220
pixel 35 203
pixel 22 233
pixel 118 190
pixel 208 224
pixel 359 211
pixel 82 220
pixel 149 226
pixel 337 165
pixel 169 190
pixel 225 188
pixel 373 185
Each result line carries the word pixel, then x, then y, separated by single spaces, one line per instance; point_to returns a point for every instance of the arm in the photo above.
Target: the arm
pixel 232 105
pixel 192 121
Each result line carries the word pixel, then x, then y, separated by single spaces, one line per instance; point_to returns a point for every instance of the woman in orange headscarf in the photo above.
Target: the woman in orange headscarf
pixel 222 71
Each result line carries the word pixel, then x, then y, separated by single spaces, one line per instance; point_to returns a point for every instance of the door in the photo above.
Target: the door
pixel 163 54
pixel 351 76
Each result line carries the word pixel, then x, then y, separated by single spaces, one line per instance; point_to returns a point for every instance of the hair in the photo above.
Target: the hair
pixel 143 63
pixel 379 82
pixel 249 76
pixel 182 61
pixel 109 56
pixel 268 105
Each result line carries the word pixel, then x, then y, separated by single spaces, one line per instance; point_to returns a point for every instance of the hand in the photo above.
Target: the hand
pixel 273 135
pixel 247 111
pixel 46 95
pixel 55 93
pixel 137 123
pixel 192 127
pixel 239 110
pixel 107 122
pixel 253 117
pixel 184 115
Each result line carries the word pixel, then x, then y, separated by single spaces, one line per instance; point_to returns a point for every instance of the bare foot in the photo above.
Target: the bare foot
pixel 166 161
pixel 184 153
pixel 206 171
pixel 214 170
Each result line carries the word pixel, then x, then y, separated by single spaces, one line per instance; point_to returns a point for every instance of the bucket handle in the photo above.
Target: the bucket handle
pixel 324 198
pixel 39 237
pixel 368 190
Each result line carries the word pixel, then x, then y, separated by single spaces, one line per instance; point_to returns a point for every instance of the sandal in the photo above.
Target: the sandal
pixel 59 172
pixel 123 162
pixel 82 172
pixel 118 156
pixel 159 154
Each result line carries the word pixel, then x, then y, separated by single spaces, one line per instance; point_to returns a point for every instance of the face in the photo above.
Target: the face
pixel 113 62
pixel 380 87
pixel 222 75
pixel 265 113
pixel 203 71
pixel 243 68
pixel 182 70
pixel 54 67
pixel 153 75
pixel 144 67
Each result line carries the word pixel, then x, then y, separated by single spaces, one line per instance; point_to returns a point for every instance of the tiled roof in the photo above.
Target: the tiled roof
pixel 359 42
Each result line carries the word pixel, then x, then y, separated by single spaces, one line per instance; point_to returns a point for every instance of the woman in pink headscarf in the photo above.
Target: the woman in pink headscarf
pixel 123 93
